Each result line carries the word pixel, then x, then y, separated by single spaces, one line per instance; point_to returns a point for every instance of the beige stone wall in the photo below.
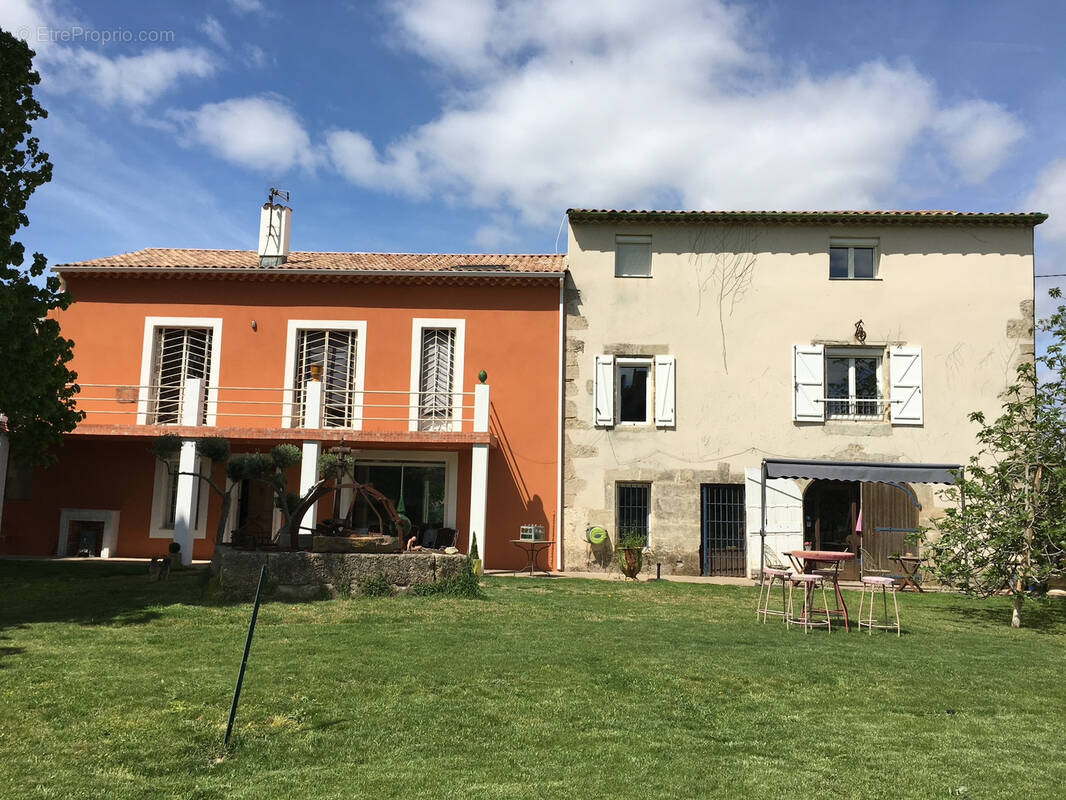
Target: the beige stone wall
pixel 963 294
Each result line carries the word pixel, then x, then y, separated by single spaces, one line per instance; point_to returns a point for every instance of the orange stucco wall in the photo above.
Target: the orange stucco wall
pixel 512 332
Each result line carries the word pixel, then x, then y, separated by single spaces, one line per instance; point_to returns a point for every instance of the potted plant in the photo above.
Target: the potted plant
pixel 630 550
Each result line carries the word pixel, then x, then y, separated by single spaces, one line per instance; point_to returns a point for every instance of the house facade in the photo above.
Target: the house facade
pixel 801 377
pixel 378 353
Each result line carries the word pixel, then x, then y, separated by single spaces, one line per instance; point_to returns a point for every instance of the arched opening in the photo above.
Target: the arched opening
pixel 872 520
pixel 830 513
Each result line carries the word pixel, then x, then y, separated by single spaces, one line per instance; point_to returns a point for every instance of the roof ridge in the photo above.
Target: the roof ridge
pixel 332 252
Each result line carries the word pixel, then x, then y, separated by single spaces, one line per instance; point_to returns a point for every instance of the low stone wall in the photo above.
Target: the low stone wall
pixel 304 576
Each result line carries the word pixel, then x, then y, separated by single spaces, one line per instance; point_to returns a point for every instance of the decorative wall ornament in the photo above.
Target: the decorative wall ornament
pixel 860 334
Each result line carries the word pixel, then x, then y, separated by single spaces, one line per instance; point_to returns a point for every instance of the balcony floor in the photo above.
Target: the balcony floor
pixel 427 439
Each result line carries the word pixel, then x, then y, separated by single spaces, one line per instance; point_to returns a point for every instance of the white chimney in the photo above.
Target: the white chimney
pixel 274 224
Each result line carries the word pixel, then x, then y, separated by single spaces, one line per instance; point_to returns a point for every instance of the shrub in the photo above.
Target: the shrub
pixel 465 584
pixel 376 586
pixel 174 548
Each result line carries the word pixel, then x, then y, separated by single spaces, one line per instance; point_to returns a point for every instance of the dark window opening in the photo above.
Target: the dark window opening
pixel 633 393
pixel 634 504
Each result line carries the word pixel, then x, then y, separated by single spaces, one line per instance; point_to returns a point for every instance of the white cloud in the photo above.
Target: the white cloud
pixel 978 136
pixel 130 80
pixel 356 159
pixel 213 30
pixel 246 6
pixel 1049 195
pixel 262 133
pixel 66 68
pixel 622 103
pixel 497 235
pixel 478 34
pixel 255 56
pixel 31 21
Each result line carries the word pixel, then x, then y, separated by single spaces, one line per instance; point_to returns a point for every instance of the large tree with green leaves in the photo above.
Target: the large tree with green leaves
pixel 1008 531
pixel 37 388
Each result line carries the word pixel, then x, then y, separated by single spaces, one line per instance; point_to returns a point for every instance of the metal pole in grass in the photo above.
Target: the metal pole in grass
pixel 247 649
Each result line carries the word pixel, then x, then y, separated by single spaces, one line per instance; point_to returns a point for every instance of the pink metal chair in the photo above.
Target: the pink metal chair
pixel 873 583
pixel 809 582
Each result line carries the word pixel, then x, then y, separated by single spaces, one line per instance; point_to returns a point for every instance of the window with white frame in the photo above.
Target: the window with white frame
pixel 335 354
pixel 632 256
pixel 853 384
pixel 176 349
pixel 844 383
pixel 437 357
pixel 854 259
pixel 426 481
pixel 633 512
pixel 436 379
pixel 335 350
pixel 633 382
pixel 177 355
pixel 165 498
pixel 634 391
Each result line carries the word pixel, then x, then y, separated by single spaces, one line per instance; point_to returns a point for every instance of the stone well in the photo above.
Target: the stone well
pixel 302 575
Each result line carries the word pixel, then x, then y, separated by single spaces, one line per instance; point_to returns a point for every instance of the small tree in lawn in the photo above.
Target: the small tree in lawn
pixel 217 451
pixel 271 468
pixel 1011 533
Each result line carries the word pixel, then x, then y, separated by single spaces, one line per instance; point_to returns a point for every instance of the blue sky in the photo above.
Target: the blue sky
pixel 423 125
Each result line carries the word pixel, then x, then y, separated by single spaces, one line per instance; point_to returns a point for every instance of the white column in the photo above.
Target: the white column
pixel 188 484
pixel 311 450
pixel 479 470
pixel 5 450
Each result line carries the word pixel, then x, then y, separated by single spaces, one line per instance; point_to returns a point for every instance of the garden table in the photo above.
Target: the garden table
pixel 532 548
pixel 808 561
pixel 908 567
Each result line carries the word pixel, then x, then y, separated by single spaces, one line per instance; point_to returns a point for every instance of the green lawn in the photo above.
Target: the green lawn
pixel 115 687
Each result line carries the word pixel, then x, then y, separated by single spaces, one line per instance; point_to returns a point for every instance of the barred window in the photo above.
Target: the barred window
pixel 436 379
pixel 335 352
pixel 633 511
pixel 177 355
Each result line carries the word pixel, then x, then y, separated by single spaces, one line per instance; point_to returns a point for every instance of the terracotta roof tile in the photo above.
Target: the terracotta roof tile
pixel 816 217
pixel 160 258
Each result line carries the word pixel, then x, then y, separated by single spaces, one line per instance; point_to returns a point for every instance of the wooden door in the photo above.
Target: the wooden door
pixel 889 517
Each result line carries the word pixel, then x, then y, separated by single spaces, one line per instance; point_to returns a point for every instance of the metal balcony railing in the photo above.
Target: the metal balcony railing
pixel 377 410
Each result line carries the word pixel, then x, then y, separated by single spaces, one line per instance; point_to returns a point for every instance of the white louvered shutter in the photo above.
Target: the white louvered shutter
pixel 808 378
pixel 905 370
pixel 436 379
pixel 178 354
pixel 603 391
pixel 665 391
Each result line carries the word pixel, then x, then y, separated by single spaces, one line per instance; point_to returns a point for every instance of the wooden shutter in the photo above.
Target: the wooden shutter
pixel 665 392
pixel 603 391
pixel 905 370
pixel 808 377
